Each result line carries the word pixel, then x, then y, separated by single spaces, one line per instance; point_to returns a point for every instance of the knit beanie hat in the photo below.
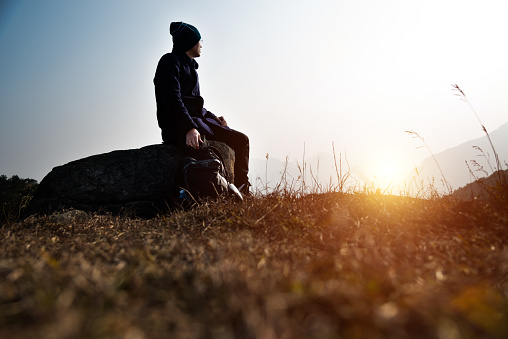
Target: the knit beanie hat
pixel 185 36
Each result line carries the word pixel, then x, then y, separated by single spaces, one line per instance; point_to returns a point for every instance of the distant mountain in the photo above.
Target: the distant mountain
pixel 453 161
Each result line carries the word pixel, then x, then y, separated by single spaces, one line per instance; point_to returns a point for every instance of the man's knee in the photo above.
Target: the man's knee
pixel 242 138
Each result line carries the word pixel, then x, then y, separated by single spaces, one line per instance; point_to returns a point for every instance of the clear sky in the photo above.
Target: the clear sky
pixel 76 76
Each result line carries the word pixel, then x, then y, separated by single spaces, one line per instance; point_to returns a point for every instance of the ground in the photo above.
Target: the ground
pixel 327 265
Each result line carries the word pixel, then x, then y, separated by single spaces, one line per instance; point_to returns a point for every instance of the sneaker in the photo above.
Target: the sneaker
pixel 234 192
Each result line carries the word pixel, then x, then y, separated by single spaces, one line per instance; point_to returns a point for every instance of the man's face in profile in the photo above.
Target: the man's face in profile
pixel 195 51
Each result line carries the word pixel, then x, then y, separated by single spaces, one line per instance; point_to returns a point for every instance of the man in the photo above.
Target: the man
pixel 180 112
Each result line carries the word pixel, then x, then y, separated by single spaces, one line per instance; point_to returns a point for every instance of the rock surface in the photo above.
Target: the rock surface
pixel 137 181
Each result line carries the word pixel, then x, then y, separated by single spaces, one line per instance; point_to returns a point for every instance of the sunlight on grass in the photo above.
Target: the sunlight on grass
pixel 281 265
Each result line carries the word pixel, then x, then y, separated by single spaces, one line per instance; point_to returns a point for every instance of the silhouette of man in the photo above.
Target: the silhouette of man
pixel 180 112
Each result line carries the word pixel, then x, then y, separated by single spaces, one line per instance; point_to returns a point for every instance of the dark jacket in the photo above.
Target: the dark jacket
pixel 179 103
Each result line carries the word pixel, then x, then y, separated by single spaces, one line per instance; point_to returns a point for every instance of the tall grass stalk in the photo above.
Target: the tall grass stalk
pixel 445 182
pixel 463 97
pixel 266 173
pixel 303 184
pixel 341 179
pixel 498 192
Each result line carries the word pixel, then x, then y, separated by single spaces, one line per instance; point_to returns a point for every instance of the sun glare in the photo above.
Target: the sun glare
pixel 387 172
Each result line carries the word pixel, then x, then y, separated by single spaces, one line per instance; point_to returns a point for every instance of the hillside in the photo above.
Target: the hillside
pixel 281 266
pixel 452 161
pixel 483 188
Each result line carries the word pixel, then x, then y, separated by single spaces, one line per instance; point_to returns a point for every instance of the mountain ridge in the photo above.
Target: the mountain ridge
pixel 452 161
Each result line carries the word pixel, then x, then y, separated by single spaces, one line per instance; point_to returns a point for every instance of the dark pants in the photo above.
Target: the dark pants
pixel 239 142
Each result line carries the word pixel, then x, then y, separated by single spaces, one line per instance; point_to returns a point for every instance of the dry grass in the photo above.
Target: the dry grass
pixel 314 266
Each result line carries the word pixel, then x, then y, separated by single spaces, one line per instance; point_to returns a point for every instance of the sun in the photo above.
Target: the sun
pixel 386 171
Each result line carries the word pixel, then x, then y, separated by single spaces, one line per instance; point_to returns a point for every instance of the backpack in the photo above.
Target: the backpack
pixel 202 174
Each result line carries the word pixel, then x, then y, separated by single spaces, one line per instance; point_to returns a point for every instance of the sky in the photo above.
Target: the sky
pixel 76 77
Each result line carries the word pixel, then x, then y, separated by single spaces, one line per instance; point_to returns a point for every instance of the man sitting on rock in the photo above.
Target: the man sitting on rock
pixel 180 112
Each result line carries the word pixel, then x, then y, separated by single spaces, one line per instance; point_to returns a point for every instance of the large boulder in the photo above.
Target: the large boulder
pixel 138 181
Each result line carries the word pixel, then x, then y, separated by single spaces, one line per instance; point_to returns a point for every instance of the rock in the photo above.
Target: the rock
pixel 69 217
pixel 137 181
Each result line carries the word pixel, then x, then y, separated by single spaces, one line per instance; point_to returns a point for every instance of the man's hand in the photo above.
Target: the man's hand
pixel 193 138
pixel 222 121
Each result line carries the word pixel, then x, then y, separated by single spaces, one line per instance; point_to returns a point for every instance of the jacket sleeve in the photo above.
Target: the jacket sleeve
pixel 170 107
pixel 210 115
